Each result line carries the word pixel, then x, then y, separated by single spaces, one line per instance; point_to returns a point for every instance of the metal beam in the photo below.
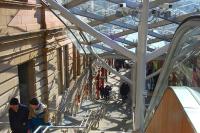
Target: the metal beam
pixel 106 19
pixel 98 19
pixel 156 3
pixel 99 46
pixel 177 19
pixel 150 26
pixel 112 56
pixel 101 20
pixel 150 41
pixel 85 27
pixel 157 53
pixel 170 20
pixel 135 5
pixel 150 56
pixel 135 28
pixel 115 37
pixel 153 74
pixel 86 14
pixel 113 53
pixel 74 3
pixel 124 41
pixel 153 4
pixel 117 23
pixel 153 25
pixel 129 3
pixel 134 45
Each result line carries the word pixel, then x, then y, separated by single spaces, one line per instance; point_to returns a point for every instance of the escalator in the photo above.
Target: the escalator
pixel 177 112
pixel 176 108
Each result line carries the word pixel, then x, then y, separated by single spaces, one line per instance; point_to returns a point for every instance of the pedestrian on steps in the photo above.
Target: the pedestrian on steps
pixel 102 91
pixel 107 92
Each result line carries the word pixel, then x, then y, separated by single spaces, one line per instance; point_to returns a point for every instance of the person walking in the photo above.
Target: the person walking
pixel 124 90
pixel 102 91
pixel 38 115
pixel 107 91
pixel 18 116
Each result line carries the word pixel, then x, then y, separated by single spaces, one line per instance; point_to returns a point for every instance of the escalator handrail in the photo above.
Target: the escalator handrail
pixel 187 24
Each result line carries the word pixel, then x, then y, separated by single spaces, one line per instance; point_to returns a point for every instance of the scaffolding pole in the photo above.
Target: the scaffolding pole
pixel 141 66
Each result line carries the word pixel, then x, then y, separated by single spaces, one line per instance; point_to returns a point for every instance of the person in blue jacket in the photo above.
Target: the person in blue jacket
pixel 38 115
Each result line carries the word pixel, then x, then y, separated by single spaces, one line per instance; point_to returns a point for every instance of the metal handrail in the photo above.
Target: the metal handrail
pixel 5 123
pixel 86 124
pixel 95 117
pixel 46 128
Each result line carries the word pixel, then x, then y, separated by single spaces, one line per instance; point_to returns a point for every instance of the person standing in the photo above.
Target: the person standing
pixel 38 115
pixel 124 90
pixel 18 116
pixel 102 91
pixel 107 91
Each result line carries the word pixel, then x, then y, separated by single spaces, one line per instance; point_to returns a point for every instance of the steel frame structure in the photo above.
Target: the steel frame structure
pixel 140 58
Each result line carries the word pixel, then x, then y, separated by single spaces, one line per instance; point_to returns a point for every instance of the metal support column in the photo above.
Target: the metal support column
pixel 141 66
pixel 90 78
pixel 78 63
pixel 64 60
pixel 84 62
pixel 133 91
pixel 67 66
pixel 74 63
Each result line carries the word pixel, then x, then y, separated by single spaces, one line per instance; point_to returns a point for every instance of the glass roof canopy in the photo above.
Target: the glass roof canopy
pixel 103 15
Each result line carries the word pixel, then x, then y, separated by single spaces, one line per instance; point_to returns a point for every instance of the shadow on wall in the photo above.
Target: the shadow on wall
pixel 4 112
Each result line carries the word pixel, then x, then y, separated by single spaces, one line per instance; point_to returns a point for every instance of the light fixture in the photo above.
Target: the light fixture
pixel 161 11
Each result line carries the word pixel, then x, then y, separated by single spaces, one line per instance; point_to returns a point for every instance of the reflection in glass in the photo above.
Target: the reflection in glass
pixel 186 72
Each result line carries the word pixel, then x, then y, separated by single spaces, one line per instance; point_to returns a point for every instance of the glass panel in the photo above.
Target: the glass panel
pixel 186 69
pixel 185 6
pixel 104 8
